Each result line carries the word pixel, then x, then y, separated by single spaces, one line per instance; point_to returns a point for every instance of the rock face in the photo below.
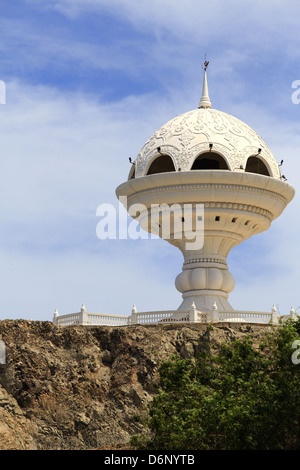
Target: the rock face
pixel 87 387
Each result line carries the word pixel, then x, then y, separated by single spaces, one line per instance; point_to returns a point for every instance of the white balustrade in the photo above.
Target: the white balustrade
pixel 245 316
pixel 169 316
pixel 66 320
pixel 164 316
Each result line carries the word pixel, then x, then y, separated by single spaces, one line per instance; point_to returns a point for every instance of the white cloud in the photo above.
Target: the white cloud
pixel 234 19
pixel 34 47
pixel 62 155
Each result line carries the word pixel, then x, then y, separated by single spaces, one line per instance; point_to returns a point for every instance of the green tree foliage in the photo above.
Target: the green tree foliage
pixel 238 397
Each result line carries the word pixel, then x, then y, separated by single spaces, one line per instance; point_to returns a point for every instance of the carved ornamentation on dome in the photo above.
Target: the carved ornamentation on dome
pixel 188 135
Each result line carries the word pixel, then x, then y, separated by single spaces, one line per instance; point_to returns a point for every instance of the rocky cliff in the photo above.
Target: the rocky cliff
pixel 87 387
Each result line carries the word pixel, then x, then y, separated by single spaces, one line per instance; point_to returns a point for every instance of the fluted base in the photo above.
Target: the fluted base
pixel 204 300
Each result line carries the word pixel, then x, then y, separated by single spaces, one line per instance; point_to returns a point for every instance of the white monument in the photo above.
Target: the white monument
pixel 206 158
pixel 205 182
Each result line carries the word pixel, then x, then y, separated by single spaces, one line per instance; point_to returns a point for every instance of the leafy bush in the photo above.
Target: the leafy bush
pixel 239 397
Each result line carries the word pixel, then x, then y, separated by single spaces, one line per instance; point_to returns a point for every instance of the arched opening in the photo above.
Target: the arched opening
pixel 210 161
pixel 161 164
pixel 256 165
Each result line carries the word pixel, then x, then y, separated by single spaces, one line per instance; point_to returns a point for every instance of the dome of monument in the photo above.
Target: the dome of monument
pixel 205 139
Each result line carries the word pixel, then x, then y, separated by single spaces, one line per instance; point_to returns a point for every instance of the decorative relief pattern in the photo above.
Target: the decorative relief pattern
pixel 188 135
pixel 205 260
pixel 210 186
pixel 240 207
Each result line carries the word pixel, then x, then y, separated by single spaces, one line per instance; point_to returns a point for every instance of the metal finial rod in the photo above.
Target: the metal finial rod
pixel 205 101
pixel 206 62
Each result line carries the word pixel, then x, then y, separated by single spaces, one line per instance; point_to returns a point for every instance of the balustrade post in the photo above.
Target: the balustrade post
pixel 274 317
pixel 55 317
pixel 133 315
pixel 293 315
pixel 83 318
pixel 193 313
pixel 214 314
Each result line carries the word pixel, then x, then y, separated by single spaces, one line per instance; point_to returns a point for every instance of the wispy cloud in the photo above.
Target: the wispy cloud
pixel 233 21
pixel 63 154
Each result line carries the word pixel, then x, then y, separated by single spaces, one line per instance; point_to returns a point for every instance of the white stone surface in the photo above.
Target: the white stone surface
pixel 187 136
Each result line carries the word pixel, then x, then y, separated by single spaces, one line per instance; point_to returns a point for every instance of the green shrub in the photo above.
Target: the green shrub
pixel 239 397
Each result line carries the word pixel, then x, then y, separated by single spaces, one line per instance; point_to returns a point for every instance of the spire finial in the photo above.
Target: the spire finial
pixel 205 101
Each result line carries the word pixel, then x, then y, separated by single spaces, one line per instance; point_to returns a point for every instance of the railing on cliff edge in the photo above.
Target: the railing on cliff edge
pixel 171 316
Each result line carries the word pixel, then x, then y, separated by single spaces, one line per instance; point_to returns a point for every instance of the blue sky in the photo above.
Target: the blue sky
pixel 87 83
